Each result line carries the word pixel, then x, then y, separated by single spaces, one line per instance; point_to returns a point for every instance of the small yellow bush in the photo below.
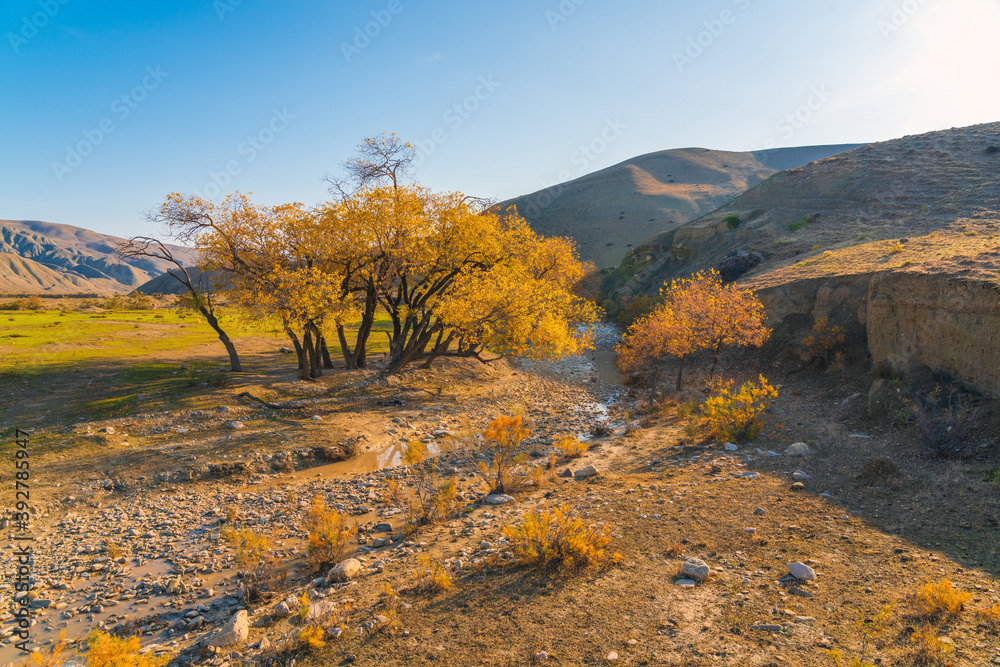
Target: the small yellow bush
pixel 738 415
pixel 896 247
pixel 991 616
pixel 553 536
pixel 570 447
pixel 329 533
pixel 941 598
pixel 254 557
pixel 313 636
pixel 431 575
pixel 433 497
pixel 824 341
pixel 105 650
pixel 931 649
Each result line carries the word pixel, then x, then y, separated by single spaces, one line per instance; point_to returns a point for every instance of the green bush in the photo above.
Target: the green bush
pixel 733 221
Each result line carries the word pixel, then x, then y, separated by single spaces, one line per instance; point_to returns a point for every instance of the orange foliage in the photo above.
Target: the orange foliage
pixel 697 314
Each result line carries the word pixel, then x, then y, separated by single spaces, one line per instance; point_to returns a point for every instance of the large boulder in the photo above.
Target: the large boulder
pixel 234 632
pixel 738 262
pixel 346 570
pixel 695 568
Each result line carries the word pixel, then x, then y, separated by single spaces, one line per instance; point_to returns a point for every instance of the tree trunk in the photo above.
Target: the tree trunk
pixel 234 359
pixel 715 360
pixel 680 372
pixel 307 351
pixel 299 352
pixel 325 353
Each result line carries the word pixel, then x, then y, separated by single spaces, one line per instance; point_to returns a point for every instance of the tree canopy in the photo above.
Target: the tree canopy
pixel 696 314
pixel 454 280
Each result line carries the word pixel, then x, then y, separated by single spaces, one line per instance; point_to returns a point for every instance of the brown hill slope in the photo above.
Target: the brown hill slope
pixel 898 242
pixel 608 211
pixel 887 190
pixel 45 257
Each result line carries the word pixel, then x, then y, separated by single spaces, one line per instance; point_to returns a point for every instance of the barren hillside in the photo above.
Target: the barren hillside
pixel 45 257
pixel 608 211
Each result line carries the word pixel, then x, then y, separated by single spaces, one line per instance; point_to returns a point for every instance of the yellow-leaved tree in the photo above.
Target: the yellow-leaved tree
pixel 699 313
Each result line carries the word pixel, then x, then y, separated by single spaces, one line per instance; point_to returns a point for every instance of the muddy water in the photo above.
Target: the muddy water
pixel 604 363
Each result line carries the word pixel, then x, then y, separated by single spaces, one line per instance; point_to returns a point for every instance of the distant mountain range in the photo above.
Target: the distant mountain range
pixel 61 259
pixel 611 210
pixel 606 213
pixel 800 218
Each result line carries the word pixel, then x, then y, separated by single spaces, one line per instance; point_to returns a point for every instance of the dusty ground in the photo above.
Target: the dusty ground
pixel 666 491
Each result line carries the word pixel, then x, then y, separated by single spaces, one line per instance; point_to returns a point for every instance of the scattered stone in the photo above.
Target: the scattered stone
pixel 685 583
pixel 801 571
pixel 798 486
pixel 695 568
pixel 236 425
pixel 346 570
pixel 566 473
pixel 730 447
pixel 584 473
pixel 383 527
pixel 235 631
pixel 612 656
pixel 541 656
pixel 797 449
pixel 800 476
pixel 498 499
pixel 760 511
pixel 766 627
pixel 110 430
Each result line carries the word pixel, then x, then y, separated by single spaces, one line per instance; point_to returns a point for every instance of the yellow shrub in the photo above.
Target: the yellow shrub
pixel 105 650
pixel 991 616
pixel 500 459
pixel 930 648
pixel 253 557
pixel 553 536
pixel 312 636
pixel 738 415
pixel 941 598
pixel 431 575
pixel 328 532
pixel 570 448
pixel 432 497
pixel 824 341
pixel 54 657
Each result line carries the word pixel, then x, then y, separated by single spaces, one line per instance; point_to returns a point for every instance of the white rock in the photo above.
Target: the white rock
pixel 798 449
pixel 346 570
pixel 235 425
pixel 498 499
pixel 685 583
pixel 801 571
pixel 695 568
pixel 613 656
pixel 800 476
pixel 583 473
pixel 730 447
pixel 235 631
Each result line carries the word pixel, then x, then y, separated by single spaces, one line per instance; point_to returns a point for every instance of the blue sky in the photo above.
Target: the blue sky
pixel 109 106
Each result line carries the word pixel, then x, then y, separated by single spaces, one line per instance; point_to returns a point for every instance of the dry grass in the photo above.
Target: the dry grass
pixel 547 537
pixel 937 599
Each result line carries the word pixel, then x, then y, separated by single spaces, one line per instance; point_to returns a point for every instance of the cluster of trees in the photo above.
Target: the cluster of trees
pixel 455 275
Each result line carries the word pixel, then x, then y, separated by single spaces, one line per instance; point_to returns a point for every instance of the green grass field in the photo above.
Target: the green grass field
pixel 40 339
pixel 135 355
